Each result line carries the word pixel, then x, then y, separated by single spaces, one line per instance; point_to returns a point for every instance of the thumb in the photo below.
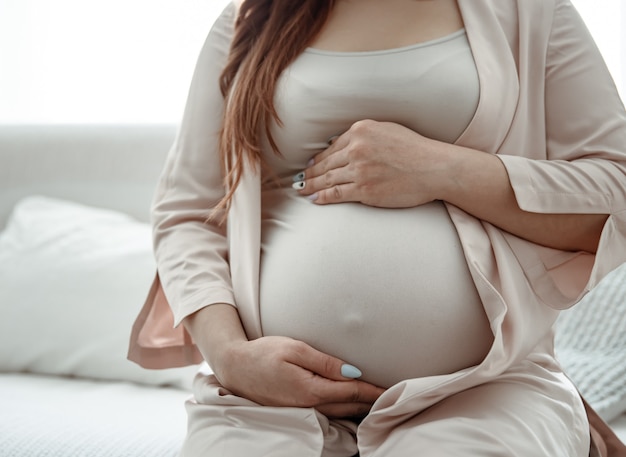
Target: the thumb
pixel 324 364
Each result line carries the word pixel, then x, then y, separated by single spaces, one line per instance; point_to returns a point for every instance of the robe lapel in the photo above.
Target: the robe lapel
pixel 497 74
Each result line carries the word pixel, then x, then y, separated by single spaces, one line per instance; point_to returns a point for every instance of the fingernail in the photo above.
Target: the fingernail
pixel 299 177
pixel 332 139
pixel 310 163
pixel 312 197
pixel 298 185
pixel 349 371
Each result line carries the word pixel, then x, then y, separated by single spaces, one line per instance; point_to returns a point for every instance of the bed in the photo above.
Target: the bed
pixel 75 265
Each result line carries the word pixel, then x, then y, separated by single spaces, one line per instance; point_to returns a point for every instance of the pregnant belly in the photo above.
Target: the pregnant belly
pixel 387 290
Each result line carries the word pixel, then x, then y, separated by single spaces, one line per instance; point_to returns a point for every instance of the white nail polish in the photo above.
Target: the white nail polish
pixel 350 371
pixel 299 177
pixel 298 185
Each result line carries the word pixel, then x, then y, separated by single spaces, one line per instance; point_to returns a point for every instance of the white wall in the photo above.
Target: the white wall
pixel 606 20
pixel 99 61
pixel 117 61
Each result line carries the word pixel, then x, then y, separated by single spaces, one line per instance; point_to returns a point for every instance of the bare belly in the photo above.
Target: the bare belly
pixel 386 290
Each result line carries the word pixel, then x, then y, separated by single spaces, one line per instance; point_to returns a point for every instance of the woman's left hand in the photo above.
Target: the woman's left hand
pixel 379 164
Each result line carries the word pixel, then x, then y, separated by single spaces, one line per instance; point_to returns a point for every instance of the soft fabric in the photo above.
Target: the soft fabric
pixel 591 345
pixel 519 281
pixel 435 92
pixel 409 292
pixel 58 417
pixel 548 108
pixel 72 278
pixel 520 404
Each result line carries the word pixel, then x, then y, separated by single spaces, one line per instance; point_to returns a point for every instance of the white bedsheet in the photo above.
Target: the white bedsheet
pixel 57 417
pixel 54 417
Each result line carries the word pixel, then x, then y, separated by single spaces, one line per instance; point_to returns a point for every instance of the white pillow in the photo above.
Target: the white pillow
pixel 72 280
pixel 591 345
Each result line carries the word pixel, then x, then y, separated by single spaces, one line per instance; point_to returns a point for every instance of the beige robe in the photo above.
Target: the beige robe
pixel 550 111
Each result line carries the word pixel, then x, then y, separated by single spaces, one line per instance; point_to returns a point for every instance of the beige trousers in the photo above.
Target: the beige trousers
pixel 526 412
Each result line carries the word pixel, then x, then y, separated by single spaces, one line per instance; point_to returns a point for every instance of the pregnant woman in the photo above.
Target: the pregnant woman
pixel 369 220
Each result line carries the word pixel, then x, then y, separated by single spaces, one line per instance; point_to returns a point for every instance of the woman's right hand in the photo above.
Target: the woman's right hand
pixel 280 371
pixel 276 371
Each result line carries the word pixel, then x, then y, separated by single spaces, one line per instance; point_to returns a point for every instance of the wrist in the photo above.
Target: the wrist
pixel 447 173
pixel 472 179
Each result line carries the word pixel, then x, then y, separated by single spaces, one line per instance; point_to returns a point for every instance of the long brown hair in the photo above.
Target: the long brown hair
pixel 269 35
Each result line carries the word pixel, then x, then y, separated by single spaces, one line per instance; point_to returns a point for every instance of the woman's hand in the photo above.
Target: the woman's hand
pixel 280 371
pixel 376 163
pixel 277 371
pixel 387 165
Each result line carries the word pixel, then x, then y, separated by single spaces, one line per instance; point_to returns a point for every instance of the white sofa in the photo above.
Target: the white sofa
pixel 69 293
pixel 75 265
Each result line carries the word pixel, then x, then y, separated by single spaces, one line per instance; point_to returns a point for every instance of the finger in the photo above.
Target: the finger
pixel 331 163
pixel 340 193
pixel 335 143
pixel 327 180
pixel 321 176
pixel 320 363
pixel 329 158
pixel 325 391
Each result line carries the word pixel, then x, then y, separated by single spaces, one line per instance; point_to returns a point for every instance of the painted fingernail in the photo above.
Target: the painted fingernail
pixel 310 163
pixel 298 185
pixel 349 371
pixel 299 177
pixel 332 139
pixel 313 197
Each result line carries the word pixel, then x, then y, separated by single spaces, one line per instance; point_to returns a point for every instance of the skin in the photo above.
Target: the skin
pixel 378 164
pixel 372 25
pixel 276 371
pixel 387 165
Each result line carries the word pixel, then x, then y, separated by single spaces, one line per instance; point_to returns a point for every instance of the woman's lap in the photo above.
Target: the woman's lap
pixel 222 424
pixel 529 411
pixel 519 414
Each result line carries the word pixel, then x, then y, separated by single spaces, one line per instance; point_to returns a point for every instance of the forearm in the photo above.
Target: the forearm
pixel 478 183
pixel 212 329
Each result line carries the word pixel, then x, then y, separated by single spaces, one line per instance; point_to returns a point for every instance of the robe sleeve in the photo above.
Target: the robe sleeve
pixel 583 170
pixel 192 253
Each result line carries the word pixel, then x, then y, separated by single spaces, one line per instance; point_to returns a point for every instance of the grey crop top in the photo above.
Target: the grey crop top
pixel 430 87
